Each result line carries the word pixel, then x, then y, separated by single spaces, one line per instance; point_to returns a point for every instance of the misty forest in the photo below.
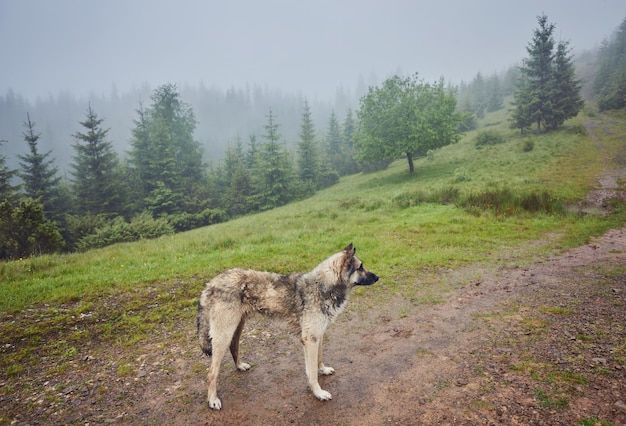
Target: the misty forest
pixel 77 174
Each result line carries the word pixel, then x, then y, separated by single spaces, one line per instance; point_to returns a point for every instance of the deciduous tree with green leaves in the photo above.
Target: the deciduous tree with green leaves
pixel 405 117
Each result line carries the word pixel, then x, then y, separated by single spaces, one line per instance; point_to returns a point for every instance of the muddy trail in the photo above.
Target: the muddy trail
pixel 543 344
pixel 539 345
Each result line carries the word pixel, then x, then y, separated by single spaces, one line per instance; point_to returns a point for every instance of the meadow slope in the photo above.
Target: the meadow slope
pixel 486 312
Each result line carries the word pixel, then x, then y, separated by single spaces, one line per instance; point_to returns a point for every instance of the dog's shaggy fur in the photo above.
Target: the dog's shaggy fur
pixel 309 302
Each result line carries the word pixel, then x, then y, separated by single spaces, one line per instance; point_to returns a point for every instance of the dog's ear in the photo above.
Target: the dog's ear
pixel 350 250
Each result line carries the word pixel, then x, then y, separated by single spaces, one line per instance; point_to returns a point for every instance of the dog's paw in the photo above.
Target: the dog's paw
pixel 323 395
pixel 326 371
pixel 242 366
pixel 215 403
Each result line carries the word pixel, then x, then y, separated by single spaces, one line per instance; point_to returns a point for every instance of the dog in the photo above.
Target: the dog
pixel 308 302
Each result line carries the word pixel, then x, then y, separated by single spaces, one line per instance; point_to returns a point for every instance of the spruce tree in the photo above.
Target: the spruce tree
pixel 350 166
pixel 567 100
pixel 166 157
pixel 610 81
pixel 308 156
pixel 97 183
pixel 273 170
pixel 38 173
pixel 7 190
pixel 547 92
pixel 334 144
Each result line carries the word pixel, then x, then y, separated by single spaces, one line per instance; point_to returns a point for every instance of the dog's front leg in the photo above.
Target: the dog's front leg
pixel 311 346
pixel 323 370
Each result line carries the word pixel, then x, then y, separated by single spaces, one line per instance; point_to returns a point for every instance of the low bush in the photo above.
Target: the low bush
pixel 528 146
pixel 489 137
pixel 506 202
pixel 446 195
pixel 25 231
pixel 142 226
pixel 186 221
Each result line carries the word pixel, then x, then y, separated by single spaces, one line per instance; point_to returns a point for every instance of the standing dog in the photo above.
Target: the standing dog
pixel 309 302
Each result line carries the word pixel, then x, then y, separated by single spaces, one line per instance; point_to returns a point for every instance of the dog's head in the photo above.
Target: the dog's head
pixel 353 270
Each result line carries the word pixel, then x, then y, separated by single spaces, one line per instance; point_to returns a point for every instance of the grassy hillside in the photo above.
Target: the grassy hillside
pixel 405 227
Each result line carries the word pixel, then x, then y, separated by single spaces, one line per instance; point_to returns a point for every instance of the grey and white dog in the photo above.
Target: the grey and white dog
pixel 308 302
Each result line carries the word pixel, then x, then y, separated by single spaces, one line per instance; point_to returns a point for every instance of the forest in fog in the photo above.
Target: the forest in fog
pixel 88 172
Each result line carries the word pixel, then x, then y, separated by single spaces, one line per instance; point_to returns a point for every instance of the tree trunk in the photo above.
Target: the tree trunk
pixel 409 157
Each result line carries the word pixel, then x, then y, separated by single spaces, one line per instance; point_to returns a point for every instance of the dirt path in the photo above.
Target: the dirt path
pixel 544 344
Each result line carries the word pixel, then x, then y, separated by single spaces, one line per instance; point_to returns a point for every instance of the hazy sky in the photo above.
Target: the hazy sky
pixel 310 46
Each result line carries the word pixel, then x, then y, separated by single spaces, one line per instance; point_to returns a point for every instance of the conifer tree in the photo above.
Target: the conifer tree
pixel 7 189
pixel 97 183
pixel 567 100
pixel 334 144
pixel 308 156
pixel 547 93
pixel 274 172
pixel 38 173
pixel 350 164
pixel 166 157
pixel 610 81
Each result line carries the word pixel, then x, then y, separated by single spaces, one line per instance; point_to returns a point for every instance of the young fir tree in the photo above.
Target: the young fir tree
pixel 39 175
pixel 350 165
pixel 567 100
pixel 97 183
pixel 308 157
pixel 167 159
pixel 334 144
pixel 547 93
pixel 25 231
pixel 7 190
pixel 273 170
pixel 610 81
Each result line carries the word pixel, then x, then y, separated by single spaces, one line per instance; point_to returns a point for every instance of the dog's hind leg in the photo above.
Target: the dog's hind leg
pixel 311 361
pixel 223 327
pixel 234 347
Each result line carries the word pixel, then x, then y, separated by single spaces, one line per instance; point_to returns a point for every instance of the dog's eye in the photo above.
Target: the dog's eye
pixel 360 268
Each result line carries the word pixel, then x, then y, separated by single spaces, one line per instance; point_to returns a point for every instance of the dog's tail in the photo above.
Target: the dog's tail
pixel 204 328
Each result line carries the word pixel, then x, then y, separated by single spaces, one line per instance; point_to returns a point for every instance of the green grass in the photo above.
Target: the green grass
pixel 403 225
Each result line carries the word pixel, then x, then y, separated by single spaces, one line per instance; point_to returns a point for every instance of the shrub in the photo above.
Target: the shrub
pixel 506 202
pixel 528 146
pixel 488 137
pixel 186 221
pixel 142 226
pixel 25 231
pixel 328 178
pixel 460 175
pixel 445 195
pixel 78 227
